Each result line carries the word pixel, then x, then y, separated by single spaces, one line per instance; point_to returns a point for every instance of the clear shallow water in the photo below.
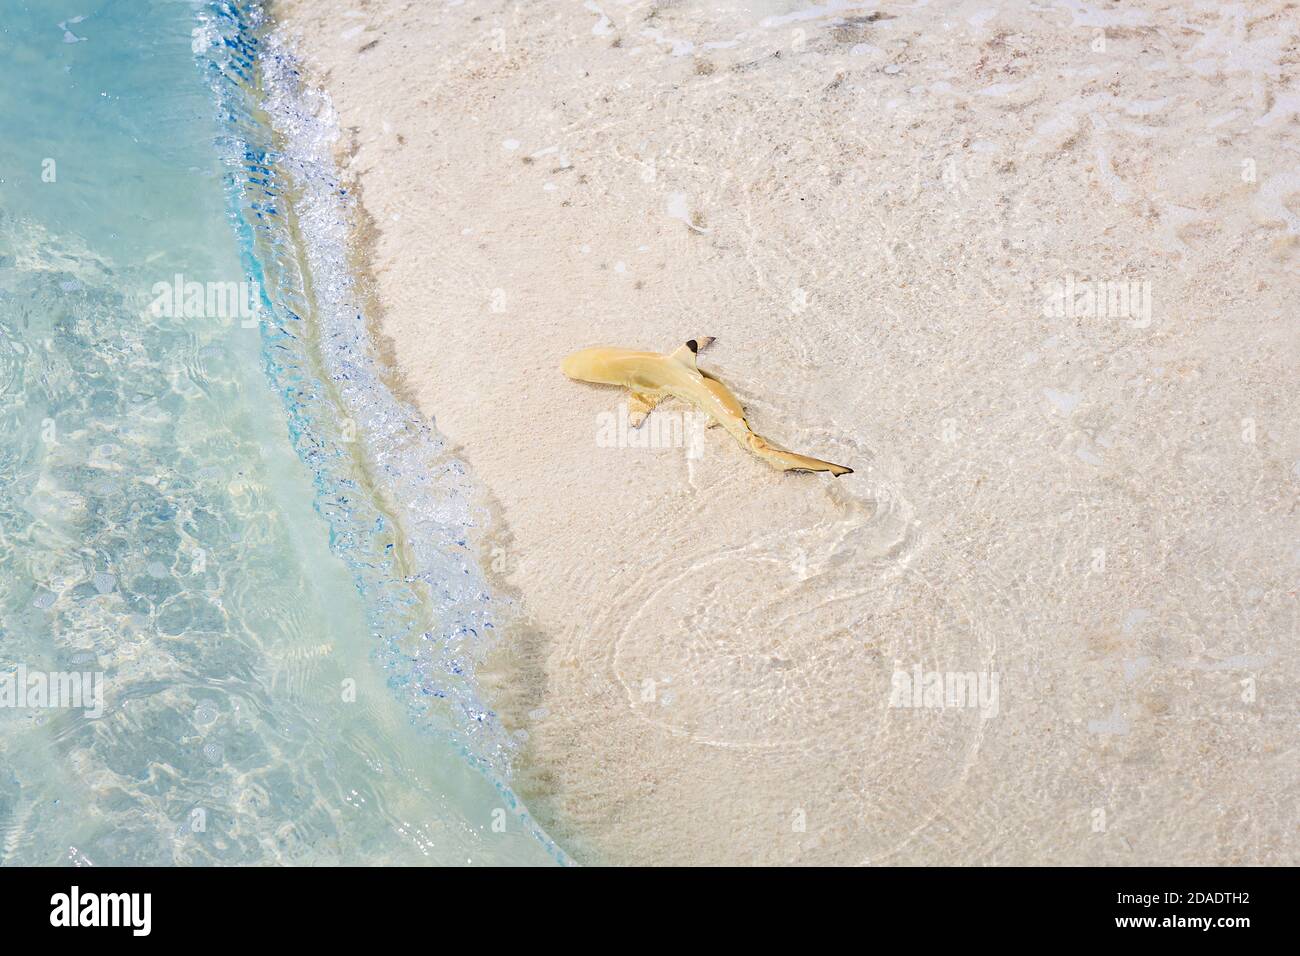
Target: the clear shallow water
pixel 264 555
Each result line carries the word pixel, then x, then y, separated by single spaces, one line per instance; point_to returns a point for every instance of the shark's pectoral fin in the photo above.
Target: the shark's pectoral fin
pixel 639 405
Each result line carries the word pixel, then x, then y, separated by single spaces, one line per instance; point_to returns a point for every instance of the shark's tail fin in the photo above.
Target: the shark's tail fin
pixel 789 461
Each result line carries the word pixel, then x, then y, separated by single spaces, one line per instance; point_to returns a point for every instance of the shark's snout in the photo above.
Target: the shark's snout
pixel 592 365
pixel 573 365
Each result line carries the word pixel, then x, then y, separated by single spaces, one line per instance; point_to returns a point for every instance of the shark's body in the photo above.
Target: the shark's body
pixel 650 377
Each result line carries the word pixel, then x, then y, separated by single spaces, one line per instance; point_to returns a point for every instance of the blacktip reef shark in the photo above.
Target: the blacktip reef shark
pixel 650 377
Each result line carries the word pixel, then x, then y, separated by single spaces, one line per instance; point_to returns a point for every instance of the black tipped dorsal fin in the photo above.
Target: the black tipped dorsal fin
pixel 686 354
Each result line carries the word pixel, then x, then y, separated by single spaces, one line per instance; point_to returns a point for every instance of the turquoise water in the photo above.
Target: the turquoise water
pixel 218 509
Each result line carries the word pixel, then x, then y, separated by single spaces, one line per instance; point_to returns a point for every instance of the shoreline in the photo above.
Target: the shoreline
pixel 388 484
pixel 703 660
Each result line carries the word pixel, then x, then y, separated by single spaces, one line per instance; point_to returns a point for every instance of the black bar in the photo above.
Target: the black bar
pixel 334 906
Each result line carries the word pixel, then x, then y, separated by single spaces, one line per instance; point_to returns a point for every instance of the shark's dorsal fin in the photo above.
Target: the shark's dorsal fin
pixel 686 354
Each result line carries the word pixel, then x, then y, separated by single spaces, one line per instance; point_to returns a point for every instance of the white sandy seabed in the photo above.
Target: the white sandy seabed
pixel 1030 269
